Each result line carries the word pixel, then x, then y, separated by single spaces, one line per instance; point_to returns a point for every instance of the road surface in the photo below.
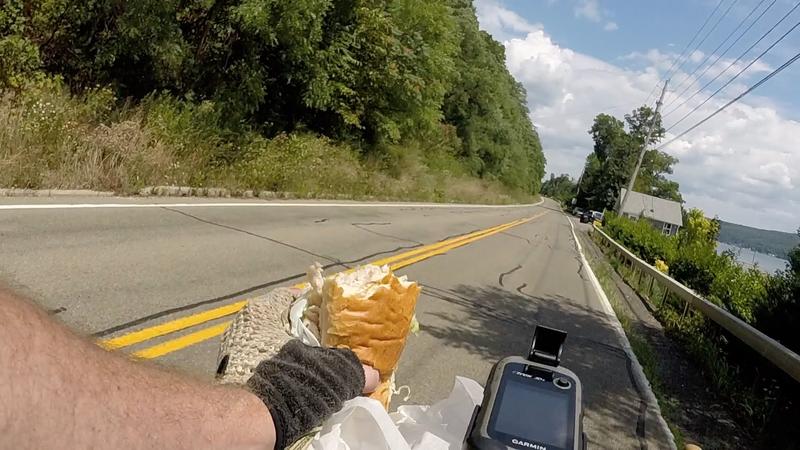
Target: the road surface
pixel 113 270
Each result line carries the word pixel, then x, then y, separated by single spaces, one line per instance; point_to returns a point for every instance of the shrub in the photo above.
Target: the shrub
pixel 300 163
pixel 771 303
pixel 640 237
pixel 694 265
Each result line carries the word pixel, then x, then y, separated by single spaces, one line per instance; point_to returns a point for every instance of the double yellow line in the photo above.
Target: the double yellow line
pixel 395 262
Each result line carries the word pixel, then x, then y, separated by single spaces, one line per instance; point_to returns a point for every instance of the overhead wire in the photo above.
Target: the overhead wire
pixel 716 24
pixel 674 61
pixel 727 38
pixel 736 99
pixel 726 84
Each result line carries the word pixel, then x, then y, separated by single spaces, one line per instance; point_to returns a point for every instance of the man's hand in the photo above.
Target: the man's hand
pixel 303 385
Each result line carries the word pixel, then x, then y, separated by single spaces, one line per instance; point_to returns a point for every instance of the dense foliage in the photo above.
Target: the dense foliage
pixel 770 303
pixel 641 238
pixel 370 73
pixel 776 243
pixel 616 149
pixel 780 313
pixel 561 188
pixel 693 260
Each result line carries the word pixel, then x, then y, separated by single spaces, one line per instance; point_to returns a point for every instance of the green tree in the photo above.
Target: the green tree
pixel 19 57
pixel 374 73
pixel 652 178
pixel 561 188
pixel 780 312
pixel 698 229
pixel 487 107
pixel 617 145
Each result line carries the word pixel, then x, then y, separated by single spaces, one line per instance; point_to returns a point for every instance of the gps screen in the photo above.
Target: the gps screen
pixel 532 414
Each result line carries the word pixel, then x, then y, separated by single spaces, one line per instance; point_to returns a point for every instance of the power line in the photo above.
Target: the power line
pixel 739 97
pixel 707 35
pixel 725 52
pixel 714 52
pixel 737 60
pixel 674 61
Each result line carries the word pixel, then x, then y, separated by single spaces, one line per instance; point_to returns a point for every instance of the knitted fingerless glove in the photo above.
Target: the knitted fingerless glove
pixel 303 385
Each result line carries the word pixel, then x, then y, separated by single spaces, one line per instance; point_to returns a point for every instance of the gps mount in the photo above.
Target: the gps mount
pixel 546 346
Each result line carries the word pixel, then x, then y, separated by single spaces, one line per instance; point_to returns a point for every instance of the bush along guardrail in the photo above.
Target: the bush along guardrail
pixel 759 375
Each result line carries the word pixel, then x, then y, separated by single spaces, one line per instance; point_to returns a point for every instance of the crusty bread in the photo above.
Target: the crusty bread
pixel 369 311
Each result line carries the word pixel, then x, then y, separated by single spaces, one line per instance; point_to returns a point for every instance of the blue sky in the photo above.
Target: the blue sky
pixel 620 28
pixel 578 58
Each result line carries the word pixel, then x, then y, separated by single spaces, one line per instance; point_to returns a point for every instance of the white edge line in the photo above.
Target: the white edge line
pixel 638 372
pixel 258 205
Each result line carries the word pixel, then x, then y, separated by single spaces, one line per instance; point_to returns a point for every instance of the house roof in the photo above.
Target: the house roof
pixel 643 205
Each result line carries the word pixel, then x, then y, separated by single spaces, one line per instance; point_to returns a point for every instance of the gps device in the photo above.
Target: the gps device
pixel 530 403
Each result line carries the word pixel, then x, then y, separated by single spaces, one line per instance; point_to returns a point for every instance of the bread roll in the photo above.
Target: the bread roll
pixel 369 311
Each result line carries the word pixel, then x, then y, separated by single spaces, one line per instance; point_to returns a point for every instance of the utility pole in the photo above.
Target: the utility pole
pixel 578 187
pixel 644 149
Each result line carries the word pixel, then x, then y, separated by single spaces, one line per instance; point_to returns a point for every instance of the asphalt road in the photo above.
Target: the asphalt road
pixel 110 271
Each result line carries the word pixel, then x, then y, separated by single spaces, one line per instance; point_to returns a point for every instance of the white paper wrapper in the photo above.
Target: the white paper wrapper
pixel 363 423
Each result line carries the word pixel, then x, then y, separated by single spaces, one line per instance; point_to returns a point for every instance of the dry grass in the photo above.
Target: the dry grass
pixel 51 139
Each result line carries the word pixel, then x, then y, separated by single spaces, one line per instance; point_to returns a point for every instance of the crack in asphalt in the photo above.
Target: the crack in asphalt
pixel 321 220
pixel 578 259
pixel 517 236
pixel 460 234
pixel 255 235
pixel 55 311
pixel 362 226
pixel 642 413
pixel 504 274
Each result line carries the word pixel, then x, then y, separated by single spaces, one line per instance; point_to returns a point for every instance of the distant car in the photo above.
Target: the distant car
pixel 597 215
pixel 577 211
pixel 586 217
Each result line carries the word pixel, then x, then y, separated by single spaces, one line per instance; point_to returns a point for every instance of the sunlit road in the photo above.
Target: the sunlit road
pixel 112 271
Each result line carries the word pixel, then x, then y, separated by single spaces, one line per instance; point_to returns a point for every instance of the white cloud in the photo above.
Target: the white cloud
pixel 743 165
pixel 589 10
pixel 688 81
pixel 611 26
pixel 501 22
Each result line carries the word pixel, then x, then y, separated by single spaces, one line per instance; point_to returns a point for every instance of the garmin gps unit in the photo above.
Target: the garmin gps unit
pixel 530 403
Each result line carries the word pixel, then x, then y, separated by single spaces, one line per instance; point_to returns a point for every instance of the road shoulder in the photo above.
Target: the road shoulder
pixel 693 412
pixel 653 427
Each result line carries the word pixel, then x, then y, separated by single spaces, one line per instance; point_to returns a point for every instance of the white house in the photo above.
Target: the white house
pixel 665 215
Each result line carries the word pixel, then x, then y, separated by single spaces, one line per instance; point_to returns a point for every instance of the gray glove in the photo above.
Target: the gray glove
pixel 303 385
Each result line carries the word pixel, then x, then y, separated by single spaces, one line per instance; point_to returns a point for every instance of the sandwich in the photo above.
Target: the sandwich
pixel 368 310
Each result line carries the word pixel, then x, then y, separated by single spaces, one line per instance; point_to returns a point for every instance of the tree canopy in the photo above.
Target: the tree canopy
pixel 561 188
pixel 369 72
pixel 617 144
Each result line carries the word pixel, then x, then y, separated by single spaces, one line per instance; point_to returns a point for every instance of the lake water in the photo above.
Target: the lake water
pixel 747 257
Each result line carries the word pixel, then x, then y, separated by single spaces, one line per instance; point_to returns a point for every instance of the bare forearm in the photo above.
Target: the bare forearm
pixel 62 391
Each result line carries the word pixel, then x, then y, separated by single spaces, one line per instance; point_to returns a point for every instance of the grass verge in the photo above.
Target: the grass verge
pixel 50 138
pixel 641 348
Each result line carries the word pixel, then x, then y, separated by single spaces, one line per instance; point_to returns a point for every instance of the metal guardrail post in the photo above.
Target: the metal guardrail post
pixel 769 348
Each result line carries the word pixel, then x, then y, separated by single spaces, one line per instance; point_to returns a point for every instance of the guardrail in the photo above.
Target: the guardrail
pixel 769 348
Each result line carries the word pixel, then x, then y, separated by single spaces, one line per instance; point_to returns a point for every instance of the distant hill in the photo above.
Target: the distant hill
pixel 776 243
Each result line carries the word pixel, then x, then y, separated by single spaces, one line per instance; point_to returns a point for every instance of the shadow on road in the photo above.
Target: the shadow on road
pixel 495 322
